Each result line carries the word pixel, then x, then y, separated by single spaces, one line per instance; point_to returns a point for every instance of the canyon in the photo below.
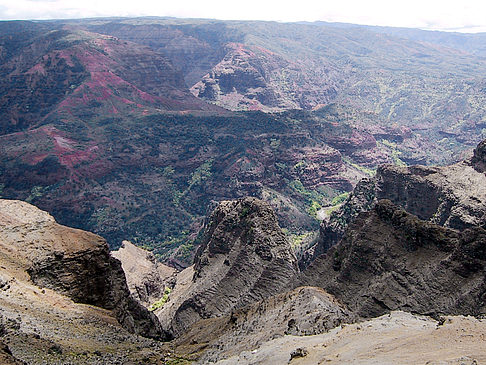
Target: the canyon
pixel 257 192
pixel 112 125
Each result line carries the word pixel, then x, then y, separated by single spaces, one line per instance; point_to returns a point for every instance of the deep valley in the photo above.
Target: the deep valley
pixel 177 191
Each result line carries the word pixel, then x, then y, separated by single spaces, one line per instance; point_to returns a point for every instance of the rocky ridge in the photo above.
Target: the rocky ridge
pixel 455 197
pixel 243 257
pixel 389 259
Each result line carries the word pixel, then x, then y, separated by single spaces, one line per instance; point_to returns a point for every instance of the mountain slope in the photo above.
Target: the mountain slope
pixel 82 75
pixel 437 88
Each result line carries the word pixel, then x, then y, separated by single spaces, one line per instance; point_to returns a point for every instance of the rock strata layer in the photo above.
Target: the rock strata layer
pixel 390 260
pixel 72 262
pixel 243 257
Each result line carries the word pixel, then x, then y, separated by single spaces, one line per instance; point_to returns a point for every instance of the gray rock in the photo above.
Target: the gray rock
pixel 244 257
pixel 389 259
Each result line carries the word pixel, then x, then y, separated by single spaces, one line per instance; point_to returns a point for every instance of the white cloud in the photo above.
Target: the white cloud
pixel 431 14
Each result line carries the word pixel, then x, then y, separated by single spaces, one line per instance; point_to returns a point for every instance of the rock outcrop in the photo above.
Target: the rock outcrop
pixel 389 259
pixel 6 357
pixel 451 196
pixel 243 257
pixel 146 277
pixel 72 262
pixel 478 160
pixel 301 312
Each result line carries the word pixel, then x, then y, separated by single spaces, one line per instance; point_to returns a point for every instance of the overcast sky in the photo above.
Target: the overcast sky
pixel 465 15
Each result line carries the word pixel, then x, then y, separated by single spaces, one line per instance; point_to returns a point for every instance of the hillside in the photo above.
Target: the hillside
pixel 131 128
pixel 429 86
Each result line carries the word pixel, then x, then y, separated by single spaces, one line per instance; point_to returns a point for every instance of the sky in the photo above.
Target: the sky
pixel 463 16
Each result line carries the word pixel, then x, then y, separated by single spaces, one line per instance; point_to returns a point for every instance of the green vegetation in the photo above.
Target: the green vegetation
pixel 274 143
pixel 185 251
pixel 168 171
pixel 312 198
pixel 201 174
pixel 339 199
pixel 35 192
pixel 300 166
pixel 244 212
pixel 314 207
pixel 158 304
pixel 296 239
pixel 395 152
pixel 366 170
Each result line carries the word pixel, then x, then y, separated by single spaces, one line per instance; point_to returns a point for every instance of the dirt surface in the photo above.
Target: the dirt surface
pixel 398 338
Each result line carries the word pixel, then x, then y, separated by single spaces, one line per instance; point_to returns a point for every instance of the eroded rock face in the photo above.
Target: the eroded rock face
pixel 6 356
pixel 479 157
pixel 146 277
pixel 73 262
pixel 244 257
pixel 276 316
pixel 451 196
pixel 389 259
pixel 255 78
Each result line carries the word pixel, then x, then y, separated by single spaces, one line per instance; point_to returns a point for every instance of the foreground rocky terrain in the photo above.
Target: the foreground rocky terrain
pixel 398 338
pixel 63 299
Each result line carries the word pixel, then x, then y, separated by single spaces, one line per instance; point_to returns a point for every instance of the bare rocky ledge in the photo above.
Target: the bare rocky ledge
pixel 70 261
pixel 243 257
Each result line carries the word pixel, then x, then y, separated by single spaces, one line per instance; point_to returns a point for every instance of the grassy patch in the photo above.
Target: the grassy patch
pixel 339 199
pixel 366 170
pixel 160 303
pixel 395 152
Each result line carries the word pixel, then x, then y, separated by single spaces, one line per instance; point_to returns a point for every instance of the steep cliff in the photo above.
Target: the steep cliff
pixel 389 259
pixel 243 257
pixel 146 277
pixel 72 262
pixel 451 196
